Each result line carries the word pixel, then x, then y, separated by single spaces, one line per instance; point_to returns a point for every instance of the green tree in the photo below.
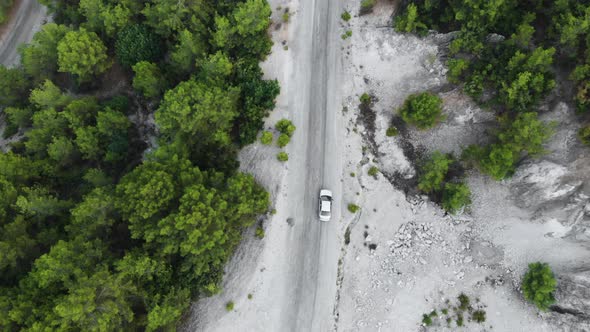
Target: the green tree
pixel 47 124
pixel 13 86
pixel 584 135
pixel 198 110
pixel 94 216
pixel 433 172
pixel 257 98
pixel 82 53
pixel 525 133
pixel 99 302
pixel 408 21
pixel 422 110
pixel 48 95
pixel 62 150
pixel 81 112
pixel 538 285
pixel 455 197
pixel 136 43
pixel 189 48
pixel 148 79
pixel 39 57
pixel 252 17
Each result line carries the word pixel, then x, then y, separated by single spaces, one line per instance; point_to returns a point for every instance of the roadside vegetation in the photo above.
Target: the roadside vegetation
pixel 97 233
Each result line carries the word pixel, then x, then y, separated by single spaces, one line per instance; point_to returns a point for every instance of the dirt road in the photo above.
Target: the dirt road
pixel 28 19
pixel 287 281
pixel 314 245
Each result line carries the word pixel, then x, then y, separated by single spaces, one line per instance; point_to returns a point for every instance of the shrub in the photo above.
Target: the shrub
pixel 346 16
pixel 352 174
pixel 584 135
pixel 456 69
pixel 373 171
pixel 250 296
pixel 283 140
pixel 538 285
pixel 285 126
pixel 460 320
pixel 426 320
pixel 433 172
pixel 367 6
pixel 365 99
pixel 463 301
pixel 266 138
pixel 229 306
pixel 353 208
pixel 282 156
pixel 260 232
pixel 286 17
pixel 346 35
pixel 422 110
pixel 479 316
pixel 455 197
pixel 408 21
pixel 391 131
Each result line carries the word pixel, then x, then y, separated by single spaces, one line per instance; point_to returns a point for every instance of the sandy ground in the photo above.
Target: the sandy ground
pixel 26 20
pixel 404 256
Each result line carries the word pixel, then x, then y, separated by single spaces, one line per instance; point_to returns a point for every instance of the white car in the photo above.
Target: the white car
pixel 325 208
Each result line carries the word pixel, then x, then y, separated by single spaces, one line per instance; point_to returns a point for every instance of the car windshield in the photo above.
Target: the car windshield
pixel 325 213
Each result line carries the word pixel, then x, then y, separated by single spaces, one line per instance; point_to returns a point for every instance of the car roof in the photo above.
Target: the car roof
pixel 326 205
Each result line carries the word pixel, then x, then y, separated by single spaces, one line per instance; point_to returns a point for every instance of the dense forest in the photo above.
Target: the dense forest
pixel 97 232
pixel 510 56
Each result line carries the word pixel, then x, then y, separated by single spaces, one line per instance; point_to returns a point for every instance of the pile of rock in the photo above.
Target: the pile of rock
pixel 411 235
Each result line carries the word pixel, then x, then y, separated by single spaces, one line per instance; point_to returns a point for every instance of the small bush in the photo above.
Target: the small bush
pixel 266 138
pixel 352 174
pixel 433 172
pixel 353 208
pixel 463 301
pixel 367 6
pixel 285 126
pixel 250 296
pixel 229 306
pixel 538 285
pixel 408 21
pixel 445 311
pixel 365 99
pixel 459 320
pixel 373 171
pixel 433 313
pixel 283 140
pixel 346 16
pixel 455 197
pixel 282 156
pixel 584 135
pixel 426 320
pixel 346 35
pixel 479 316
pixel 423 110
pixel 273 211
pixel 286 17
pixel 260 232
pixel 391 131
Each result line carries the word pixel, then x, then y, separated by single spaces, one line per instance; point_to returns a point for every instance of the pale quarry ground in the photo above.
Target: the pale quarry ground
pixel 423 257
